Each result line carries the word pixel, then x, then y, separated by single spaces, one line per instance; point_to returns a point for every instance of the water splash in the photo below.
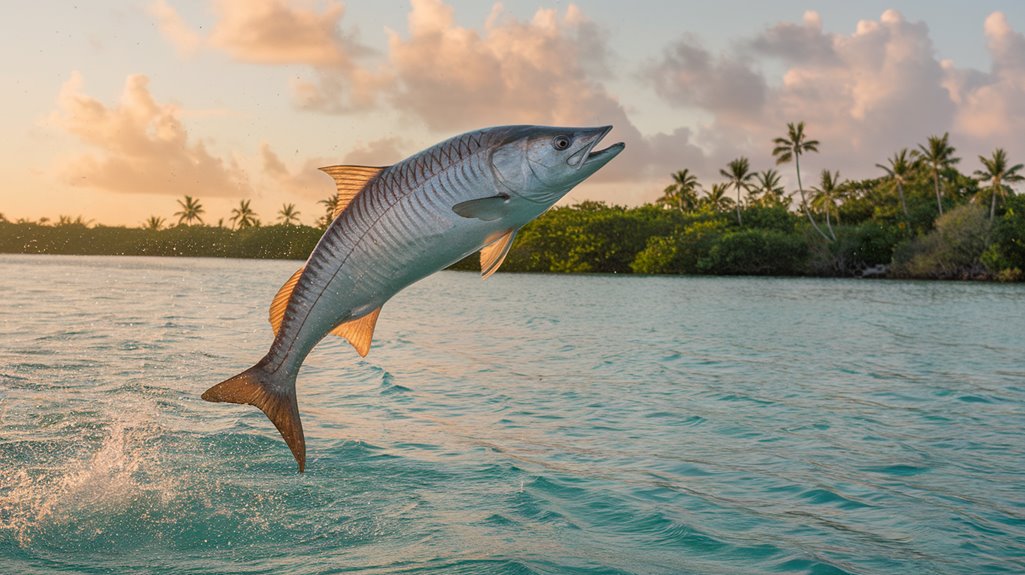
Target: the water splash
pixel 104 491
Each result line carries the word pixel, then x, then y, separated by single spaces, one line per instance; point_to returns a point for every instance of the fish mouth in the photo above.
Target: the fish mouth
pixel 587 156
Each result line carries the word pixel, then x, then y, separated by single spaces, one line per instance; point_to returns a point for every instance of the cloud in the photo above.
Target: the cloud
pixel 280 33
pixel 689 75
pixel 276 32
pixel 796 43
pixel 992 105
pixel 545 70
pixel 186 40
pixel 307 181
pixel 862 94
pixel 382 152
pixel 537 71
pixel 141 146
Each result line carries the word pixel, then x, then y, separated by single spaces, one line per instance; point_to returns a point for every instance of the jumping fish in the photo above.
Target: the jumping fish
pixel 398 224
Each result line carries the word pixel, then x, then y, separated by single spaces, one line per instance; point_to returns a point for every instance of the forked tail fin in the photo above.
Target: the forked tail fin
pixel 274 395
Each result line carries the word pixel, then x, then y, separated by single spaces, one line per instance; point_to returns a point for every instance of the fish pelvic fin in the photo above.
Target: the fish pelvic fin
pixel 359 332
pixel 493 254
pixel 274 395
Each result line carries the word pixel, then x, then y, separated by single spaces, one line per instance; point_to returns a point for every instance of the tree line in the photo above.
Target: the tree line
pixel 920 218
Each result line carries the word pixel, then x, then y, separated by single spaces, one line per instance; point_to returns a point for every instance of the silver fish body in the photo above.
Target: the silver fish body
pixel 406 222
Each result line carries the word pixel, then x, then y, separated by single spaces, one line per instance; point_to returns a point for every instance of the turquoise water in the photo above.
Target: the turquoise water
pixel 527 424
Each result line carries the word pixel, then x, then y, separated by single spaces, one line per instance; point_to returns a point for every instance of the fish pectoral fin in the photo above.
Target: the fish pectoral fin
pixel 493 254
pixel 359 332
pixel 280 302
pixel 349 180
pixel 487 209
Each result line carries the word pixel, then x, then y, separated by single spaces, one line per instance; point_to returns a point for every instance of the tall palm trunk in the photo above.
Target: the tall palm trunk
pixel 936 184
pixel 804 202
pixel 740 222
pixel 903 204
pixel 993 200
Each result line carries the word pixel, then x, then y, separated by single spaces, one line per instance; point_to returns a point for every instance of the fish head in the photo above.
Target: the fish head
pixel 541 164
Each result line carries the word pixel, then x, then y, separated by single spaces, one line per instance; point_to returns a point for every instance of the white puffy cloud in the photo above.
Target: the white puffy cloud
pixel 140 146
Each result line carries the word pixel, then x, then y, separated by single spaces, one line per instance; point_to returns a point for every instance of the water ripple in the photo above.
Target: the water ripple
pixel 716 425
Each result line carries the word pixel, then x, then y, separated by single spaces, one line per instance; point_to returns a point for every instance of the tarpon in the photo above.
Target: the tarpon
pixel 398 224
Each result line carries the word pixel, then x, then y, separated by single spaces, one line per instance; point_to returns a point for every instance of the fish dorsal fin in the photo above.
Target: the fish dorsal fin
pixel 350 180
pixel 486 209
pixel 359 332
pixel 277 307
pixel 493 254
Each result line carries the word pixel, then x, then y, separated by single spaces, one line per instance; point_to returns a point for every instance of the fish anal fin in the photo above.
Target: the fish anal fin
pixel 350 180
pixel 280 302
pixel 275 398
pixel 493 254
pixel 359 332
pixel 486 209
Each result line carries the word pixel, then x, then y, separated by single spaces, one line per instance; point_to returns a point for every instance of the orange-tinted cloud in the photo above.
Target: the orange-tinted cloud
pixel 306 182
pixel 276 32
pixel 140 146
pixel 863 93
pixel 309 182
pixel 184 38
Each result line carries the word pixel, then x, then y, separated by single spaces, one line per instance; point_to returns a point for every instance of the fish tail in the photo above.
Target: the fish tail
pixel 272 392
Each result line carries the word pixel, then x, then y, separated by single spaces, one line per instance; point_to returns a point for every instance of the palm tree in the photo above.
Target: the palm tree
pixel 790 147
pixel 716 199
pixel 243 216
pixel 78 220
pixel 998 174
pixel 153 223
pixel 939 155
pixel 329 203
pixel 769 187
pixel 288 215
pixel 739 174
pixel 190 212
pixel 899 171
pixel 824 197
pixel 682 194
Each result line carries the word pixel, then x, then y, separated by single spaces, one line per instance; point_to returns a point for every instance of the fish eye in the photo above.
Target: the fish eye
pixel 560 142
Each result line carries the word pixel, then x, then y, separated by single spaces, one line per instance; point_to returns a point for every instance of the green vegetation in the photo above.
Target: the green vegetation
pixel 921 219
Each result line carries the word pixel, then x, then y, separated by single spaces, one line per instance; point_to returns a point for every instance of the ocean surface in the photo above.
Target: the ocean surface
pixel 529 424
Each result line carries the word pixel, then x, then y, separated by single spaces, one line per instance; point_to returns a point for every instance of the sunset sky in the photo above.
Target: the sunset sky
pixel 113 110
